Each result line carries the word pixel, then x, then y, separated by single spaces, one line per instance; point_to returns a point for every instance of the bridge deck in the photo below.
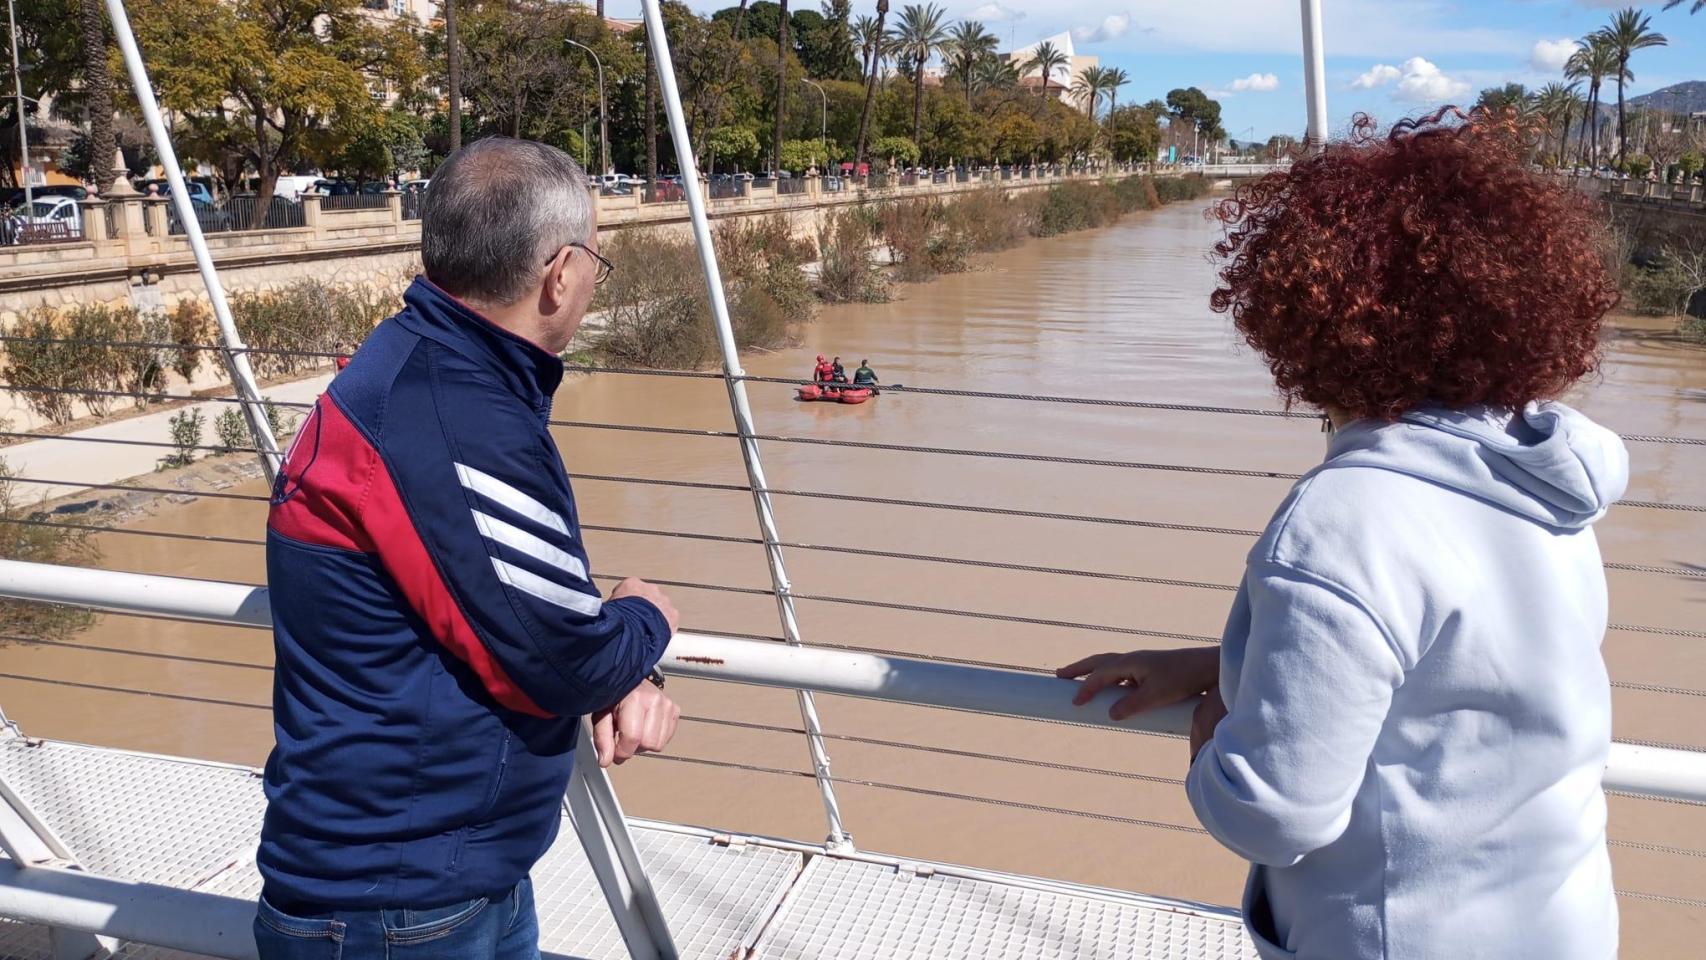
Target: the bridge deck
pixel 194 825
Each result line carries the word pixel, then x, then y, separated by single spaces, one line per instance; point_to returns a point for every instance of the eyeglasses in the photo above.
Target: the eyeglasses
pixel 601 272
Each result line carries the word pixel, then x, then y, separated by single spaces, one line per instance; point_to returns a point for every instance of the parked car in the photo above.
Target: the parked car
pixel 209 216
pixel 199 189
pixel 49 218
pixel 293 186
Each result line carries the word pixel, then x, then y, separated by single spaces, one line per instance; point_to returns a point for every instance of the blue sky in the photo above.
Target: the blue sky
pixel 1389 58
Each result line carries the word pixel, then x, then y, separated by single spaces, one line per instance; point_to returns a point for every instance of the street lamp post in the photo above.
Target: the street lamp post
pixel 823 126
pixel 603 119
pixel 23 126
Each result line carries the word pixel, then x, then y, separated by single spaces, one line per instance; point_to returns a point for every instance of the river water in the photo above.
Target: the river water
pixel 1116 313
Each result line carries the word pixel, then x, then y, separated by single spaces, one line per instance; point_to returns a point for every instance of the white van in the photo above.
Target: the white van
pixel 293 186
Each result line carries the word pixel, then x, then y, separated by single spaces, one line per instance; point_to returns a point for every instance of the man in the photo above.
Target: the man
pixel 437 632
pixel 823 372
pixel 865 376
pixel 837 372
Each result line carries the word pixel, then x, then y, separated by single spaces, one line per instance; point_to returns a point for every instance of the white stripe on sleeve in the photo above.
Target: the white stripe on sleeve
pixel 510 535
pixel 546 590
pixel 510 498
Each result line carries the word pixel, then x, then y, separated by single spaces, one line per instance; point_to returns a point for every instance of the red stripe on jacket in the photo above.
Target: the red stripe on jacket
pixel 338 493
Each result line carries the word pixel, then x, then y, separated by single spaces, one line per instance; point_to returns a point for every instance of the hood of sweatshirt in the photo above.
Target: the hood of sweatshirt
pixel 1546 462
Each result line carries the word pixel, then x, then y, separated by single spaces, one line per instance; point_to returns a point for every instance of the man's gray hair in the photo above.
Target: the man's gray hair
pixel 495 212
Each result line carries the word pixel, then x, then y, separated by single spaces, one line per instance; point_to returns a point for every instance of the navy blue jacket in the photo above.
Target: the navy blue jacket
pixel 436 628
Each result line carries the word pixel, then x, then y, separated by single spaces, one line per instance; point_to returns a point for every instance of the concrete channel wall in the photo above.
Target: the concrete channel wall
pixel 129 256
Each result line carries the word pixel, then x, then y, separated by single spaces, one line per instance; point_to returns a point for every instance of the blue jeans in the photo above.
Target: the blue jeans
pixel 490 928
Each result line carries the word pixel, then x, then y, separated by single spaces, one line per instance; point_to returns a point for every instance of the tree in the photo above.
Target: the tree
pixel 900 150
pixel 49 51
pixel 1090 87
pixel 994 73
pixel 880 38
pixel 1134 134
pixel 1629 30
pixel 1512 97
pixel 1593 61
pixel 1196 108
pixel 917 38
pixel 281 82
pixel 1046 60
pixel 1699 5
pixel 97 94
pixel 1116 78
pixel 867 34
pixel 453 71
pixel 969 45
pixel 781 80
pixel 734 145
pixel 516 77
pixel 1556 102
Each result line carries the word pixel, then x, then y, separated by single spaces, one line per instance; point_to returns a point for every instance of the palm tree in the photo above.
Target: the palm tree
pixel 1116 78
pixel 1699 5
pixel 879 39
pixel 1047 59
pixel 781 84
pixel 98 90
pixel 866 35
pixel 453 74
pixel 1629 30
pixel 1512 97
pixel 969 44
pixel 918 36
pixel 1557 101
pixel 1591 62
pixel 994 73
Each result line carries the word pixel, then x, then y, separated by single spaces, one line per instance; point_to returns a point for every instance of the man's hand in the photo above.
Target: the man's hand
pixel 641 722
pixel 635 587
pixel 1209 713
pixel 1156 677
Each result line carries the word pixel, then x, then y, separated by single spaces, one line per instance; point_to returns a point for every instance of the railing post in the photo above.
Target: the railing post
pixel 394 203
pixel 154 218
pixel 310 210
pixel 94 213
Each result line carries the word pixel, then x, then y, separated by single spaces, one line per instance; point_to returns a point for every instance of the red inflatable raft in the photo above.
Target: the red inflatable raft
pixel 835 393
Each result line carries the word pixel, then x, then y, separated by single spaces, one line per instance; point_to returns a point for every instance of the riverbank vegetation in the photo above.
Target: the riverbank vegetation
pixel 90 359
pixel 24 537
pixel 659 316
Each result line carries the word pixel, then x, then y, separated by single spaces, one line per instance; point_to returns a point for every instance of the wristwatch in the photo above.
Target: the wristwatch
pixel 656 677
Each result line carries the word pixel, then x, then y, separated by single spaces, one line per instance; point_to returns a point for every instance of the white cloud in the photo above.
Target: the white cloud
pixel 1378 76
pixel 1256 83
pixel 1112 27
pixel 994 12
pixel 1549 56
pixel 1416 80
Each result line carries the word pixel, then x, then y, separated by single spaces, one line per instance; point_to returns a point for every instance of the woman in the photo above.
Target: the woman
pixel 1406 723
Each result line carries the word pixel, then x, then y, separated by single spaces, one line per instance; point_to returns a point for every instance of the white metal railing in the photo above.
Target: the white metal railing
pixel 1632 768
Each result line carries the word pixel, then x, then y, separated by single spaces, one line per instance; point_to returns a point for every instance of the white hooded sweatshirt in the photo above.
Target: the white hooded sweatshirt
pixel 1419 714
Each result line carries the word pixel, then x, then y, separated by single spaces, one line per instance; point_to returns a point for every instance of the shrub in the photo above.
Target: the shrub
pixel 34 361
pixel 303 318
pixel 186 426
pixel 846 271
pixel 907 228
pixel 1067 207
pixel 232 430
pixel 1192 186
pixel 39 544
pixel 656 314
pixel 191 323
pixel 990 220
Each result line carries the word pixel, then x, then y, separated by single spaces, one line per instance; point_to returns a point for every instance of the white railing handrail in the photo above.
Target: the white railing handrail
pixel 1632 768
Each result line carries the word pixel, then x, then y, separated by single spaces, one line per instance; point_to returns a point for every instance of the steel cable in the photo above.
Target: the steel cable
pixel 944 794
pixel 941 751
pixel 788 381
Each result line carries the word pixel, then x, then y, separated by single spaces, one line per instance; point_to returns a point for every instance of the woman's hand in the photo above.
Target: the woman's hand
pixel 1208 715
pixel 1156 677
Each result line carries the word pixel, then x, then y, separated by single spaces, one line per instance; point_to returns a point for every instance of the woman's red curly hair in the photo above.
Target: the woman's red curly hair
pixel 1430 266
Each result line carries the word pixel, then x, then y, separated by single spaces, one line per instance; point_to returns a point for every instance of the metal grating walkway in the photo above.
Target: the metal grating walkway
pixel 195 825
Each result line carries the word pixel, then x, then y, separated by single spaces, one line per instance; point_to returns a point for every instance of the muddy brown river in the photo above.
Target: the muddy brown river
pixel 1116 313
